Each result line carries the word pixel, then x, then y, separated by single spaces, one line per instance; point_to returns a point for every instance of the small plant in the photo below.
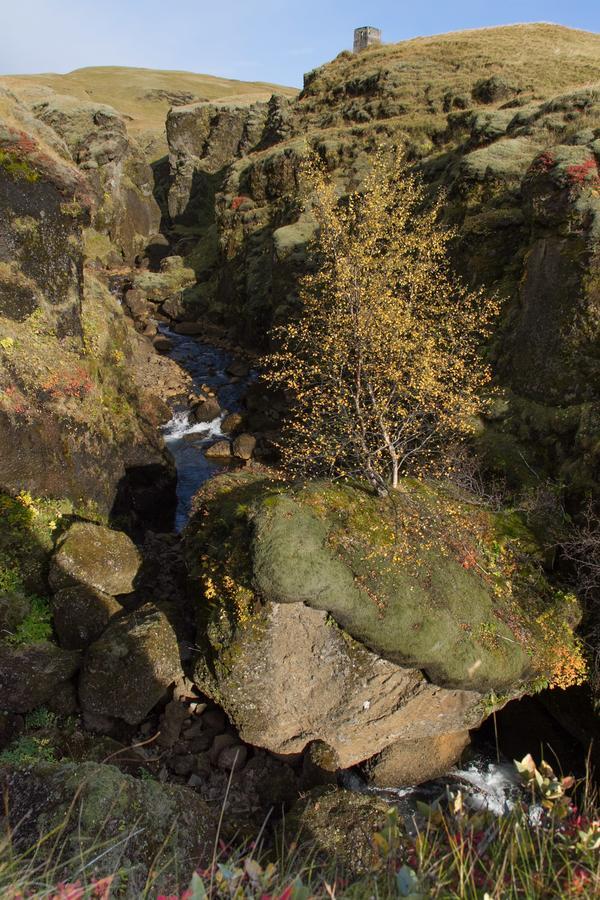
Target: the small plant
pixel 28 749
pixel 40 718
pixel 584 173
pixel 68 384
pixel 37 625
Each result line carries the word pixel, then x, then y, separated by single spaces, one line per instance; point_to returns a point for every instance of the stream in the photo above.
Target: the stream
pixel 187 439
pixel 484 781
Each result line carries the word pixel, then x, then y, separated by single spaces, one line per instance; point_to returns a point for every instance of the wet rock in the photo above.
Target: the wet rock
pixel 129 669
pixel 218 450
pixel 30 675
pixel 413 762
pixel 81 613
pixel 243 446
pixel 207 411
pixel 161 343
pixel 95 556
pixel 232 423
pixel 189 328
pixel 239 368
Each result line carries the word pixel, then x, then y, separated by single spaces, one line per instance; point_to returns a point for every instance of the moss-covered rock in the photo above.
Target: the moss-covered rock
pixel 397 615
pixel 71 417
pixel 341 825
pixel 135 829
pixel 97 557
pixel 31 674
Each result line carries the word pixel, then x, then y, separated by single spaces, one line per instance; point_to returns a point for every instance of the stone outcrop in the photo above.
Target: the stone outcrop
pixel 204 138
pixel 115 167
pixel 517 154
pixel 71 416
pixel 362 624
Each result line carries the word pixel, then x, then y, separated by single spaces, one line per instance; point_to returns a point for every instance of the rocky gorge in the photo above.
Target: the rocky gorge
pixel 189 635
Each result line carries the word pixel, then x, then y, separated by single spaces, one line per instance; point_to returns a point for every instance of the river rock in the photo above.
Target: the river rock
pixel 413 762
pixel 243 446
pixel 95 556
pixel 189 328
pixel 238 368
pixel 135 821
pixel 80 615
pixel 30 675
pixel 129 669
pixel 207 411
pixel 218 450
pixel 232 423
pixel 162 344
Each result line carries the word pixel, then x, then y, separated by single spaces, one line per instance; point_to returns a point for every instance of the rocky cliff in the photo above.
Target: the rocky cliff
pixel 72 421
pixel 517 153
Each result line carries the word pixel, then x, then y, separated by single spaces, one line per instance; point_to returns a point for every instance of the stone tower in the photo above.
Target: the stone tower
pixel 366 37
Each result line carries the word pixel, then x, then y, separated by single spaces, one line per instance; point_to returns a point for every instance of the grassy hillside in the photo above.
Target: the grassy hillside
pixel 143 95
pixel 425 78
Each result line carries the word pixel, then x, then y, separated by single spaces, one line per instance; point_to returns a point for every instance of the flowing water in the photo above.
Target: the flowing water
pixel 484 782
pixel 186 439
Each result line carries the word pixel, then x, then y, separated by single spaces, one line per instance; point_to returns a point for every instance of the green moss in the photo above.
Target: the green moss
pixel 18 168
pixel 423 578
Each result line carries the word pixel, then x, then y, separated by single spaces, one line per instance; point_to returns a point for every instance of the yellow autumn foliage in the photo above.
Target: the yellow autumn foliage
pixel 382 364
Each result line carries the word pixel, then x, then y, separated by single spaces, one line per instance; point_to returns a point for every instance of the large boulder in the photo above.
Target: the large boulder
pixel 398 616
pixel 80 615
pixel 97 557
pixel 131 666
pixel 125 825
pixel 30 675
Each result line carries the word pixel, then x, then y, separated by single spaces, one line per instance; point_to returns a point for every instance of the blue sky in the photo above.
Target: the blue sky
pixel 265 40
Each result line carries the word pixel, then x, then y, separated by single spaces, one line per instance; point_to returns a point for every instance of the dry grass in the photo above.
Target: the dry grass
pixel 136 93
